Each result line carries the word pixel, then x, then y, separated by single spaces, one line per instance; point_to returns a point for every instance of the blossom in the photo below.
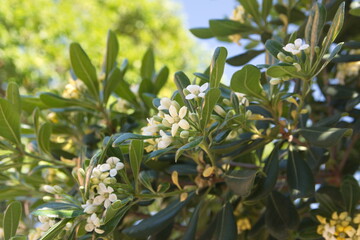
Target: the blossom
pixel 165 103
pixel 296 47
pixel 242 99
pixel 93 224
pixel 89 207
pixel 151 129
pixel 164 141
pixel 46 223
pixel 176 119
pixel 98 176
pixel 329 232
pixel 105 196
pixel 112 165
pixel 196 91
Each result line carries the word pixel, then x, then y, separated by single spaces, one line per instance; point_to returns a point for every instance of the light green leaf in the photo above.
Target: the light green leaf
pixel 355 11
pixel 202 33
pixel 55 101
pixel 324 137
pixel 217 66
pixel 114 208
pixel 146 178
pixel 13 96
pixel 136 151
pixel 224 27
pixel 148 65
pixel 111 83
pixel 211 98
pixel 247 81
pixel 241 181
pixel 12 217
pixel 188 146
pixel 283 70
pixel 9 122
pixel 112 49
pixel 114 221
pixel 58 210
pixel 252 7
pixel 265 9
pixel 160 79
pixel 43 137
pixel 84 69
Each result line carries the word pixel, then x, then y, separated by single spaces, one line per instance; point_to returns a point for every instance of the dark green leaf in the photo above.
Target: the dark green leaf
pixel 9 122
pixel 299 175
pixel 280 215
pixel 327 205
pixel 112 49
pixel 247 81
pixel 324 137
pixel 274 47
pixel 265 9
pixel 111 83
pixel 13 96
pixel 157 222
pixel 58 210
pixel 123 90
pixel 226 224
pixel 160 79
pixel 223 27
pixel 12 217
pixel 129 136
pixel 211 98
pixel 243 58
pixel 43 137
pixel 148 65
pixel 114 208
pixel 84 69
pixel 191 227
pixel 203 33
pixel 157 153
pixel 188 146
pixel 241 181
pixel 54 101
pixel 146 178
pixel 355 11
pixel 350 192
pixel 182 81
pixel 217 66
pixel 136 151
pixel 114 222
pixel 252 7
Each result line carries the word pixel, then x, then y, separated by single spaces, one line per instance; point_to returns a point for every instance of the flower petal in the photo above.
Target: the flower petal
pixel 99 199
pixel 193 88
pixel 182 112
pixel 298 43
pixel 202 95
pixel 113 172
pixel 190 96
pixel 173 111
pixel 105 167
pixel 184 124
pixel 169 118
pixel 204 87
pixel 174 129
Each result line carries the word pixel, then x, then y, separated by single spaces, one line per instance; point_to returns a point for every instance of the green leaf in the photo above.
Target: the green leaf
pixel 12 217
pixel 217 66
pixel 267 183
pixel 157 153
pixel 157 222
pixel 55 101
pixel 211 98
pixel 55 230
pixel 241 181
pixel 327 205
pixel 146 178
pixel 223 27
pixel 19 237
pixel 226 224
pixel 283 70
pixel 9 122
pixel 252 7
pixel 280 215
pixel 191 227
pixel 355 11
pixel 244 58
pixel 202 33
pixel 129 136
pixel 182 81
pixel 188 146
pixel 299 175
pixel 112 49
pixel 43 137
pixel 265 9
pixel 114 208
pixel 111 83
pixel 148 65
pixel 84 69
pixel 333 53
pixel 274 47
pixel 123 90
pixel 324 137
pixel 29 103
pixel 58 210
pixel 160 79
pixel 114 222
pixel 247 81
pixel 350 192
pixel 13 96
pixel 136 151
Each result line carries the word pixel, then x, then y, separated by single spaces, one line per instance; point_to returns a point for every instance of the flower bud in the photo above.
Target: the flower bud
pixel 281 56
pixel 226 102
pixel 184 134
pixel 194 117
pixel 298 67
pixel 317 49
pixel 289 59
pixel 58 189
pixel 275 81
pixel 49 189
pixel 219 110
pixel 109 180
pixel 47 198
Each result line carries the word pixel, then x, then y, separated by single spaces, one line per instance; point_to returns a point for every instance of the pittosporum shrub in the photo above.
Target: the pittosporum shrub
pixel 271 156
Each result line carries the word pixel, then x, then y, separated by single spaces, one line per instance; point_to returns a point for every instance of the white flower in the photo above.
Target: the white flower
pixel 176 119
pixel 89 207
pixel 164 141
pixel 151 129
pixel 98 175
pixel 46 223
pixel 329 232
pixel 112 165
pixel 296 48
pixel 242 99
pixel 165 103
pixel 93 224
pixel 196 91
pixel 105 196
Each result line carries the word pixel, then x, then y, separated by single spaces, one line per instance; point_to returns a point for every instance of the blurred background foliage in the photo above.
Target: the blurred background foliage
pixel 35 37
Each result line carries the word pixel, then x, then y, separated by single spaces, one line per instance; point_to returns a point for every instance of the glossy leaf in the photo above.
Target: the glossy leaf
pixel 247 81
pixel 112 49
pixel 224 27
pixel 157 222
pixel 324 137
pixel 188 146
pixel 241 181
pixel 84 69
pixel 299 175
pixel 280 215
pixel 148 65
pixel 9 122
pixel 350 192
pixel 283 70
pixel 123 90
pixel 226 224
pixel 243 58
pixel 157 153
pixel 190 232
pixel 129 136
pixel 217 66
pixel 146 178
pixel 58 210
pixel 43 137
pixel 136 151
pixel 11 220
pixel 202 33
pixel 211 98
pixel 13 96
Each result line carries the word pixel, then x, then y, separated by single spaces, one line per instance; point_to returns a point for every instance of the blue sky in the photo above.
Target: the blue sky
pixel 197 14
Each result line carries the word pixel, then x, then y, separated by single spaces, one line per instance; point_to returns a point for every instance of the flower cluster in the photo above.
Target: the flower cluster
pixel 348 69
pixel 238 15
pixel 73 89
pixel 340 226
pixel 101 195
